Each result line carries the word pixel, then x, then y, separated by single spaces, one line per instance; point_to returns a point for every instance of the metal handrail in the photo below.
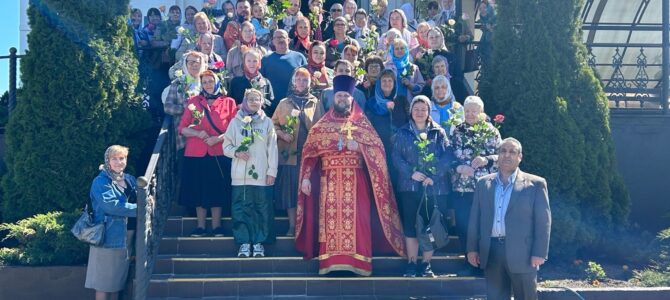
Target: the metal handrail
pixel 154 196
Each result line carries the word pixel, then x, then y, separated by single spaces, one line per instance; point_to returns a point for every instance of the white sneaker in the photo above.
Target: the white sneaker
pixel 244 251
pixel 259 251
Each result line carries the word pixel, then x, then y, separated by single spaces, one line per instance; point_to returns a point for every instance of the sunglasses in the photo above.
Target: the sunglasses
pixel 336 10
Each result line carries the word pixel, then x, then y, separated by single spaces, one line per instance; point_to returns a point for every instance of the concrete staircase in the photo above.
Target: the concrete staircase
pixel 207 267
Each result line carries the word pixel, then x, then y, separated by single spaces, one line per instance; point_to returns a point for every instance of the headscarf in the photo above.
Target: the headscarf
pixel 305 41
pixel 246 71
pixel 252 42
pixel 402 65
pixel 425 100
pixel 449 96
pixel 192 83
pixel 217 86
pixel 423 42
pixel 244 107
pixel 313 66
pixel 299 97
pixel 439 58
pixel 232 34
pixel 107 167
pixel 380 98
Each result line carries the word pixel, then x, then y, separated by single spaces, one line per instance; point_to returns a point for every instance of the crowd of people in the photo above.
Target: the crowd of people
pixel 356 123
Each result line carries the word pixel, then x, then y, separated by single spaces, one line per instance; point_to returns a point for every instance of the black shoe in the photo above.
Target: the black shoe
pixel 198 232
pixel 218 231
pixel 470 271
pixel 410 270
pixel 426 271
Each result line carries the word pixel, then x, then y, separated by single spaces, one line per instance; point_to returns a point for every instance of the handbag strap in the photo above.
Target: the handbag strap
pixel 209 118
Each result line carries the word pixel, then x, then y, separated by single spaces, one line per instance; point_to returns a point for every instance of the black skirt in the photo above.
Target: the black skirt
pixel 205 182
pixel 410 206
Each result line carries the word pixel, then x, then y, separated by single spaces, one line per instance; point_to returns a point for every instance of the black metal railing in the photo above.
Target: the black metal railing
pixel 632 84
pixel 13 58
pixel 155 193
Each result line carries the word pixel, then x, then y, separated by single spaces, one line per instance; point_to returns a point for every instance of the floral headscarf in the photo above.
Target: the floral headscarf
pixel 217 86
pixel 107 167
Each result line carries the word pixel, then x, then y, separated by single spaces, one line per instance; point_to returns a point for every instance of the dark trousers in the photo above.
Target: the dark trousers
pixel 462 203
pixel 500 282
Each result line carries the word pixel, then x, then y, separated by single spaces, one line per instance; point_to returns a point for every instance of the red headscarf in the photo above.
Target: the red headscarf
pixel 313 66
pixel 232 34
pixel 303 40
pixel 248 73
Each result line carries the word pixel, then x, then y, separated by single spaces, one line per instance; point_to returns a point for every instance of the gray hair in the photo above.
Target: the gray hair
pixel 514 141
pixel 476 101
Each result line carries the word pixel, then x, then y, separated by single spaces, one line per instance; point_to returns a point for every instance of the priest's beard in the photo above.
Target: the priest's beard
pixel 342 109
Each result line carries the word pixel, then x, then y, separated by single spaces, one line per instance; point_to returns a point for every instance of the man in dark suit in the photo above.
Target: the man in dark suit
pixel 510 222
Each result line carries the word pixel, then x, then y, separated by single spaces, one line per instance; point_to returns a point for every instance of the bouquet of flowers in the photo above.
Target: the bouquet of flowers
pixel 196 114
pixel 480 133
pixel 370 40
pixel 189 36
pixel 425 159
pixel 291 121
pixel 249 136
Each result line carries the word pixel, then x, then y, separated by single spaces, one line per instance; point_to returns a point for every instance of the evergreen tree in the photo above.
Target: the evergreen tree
pixel 79 77
pixel 556 107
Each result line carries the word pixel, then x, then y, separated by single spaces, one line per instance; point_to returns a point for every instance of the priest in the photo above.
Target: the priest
pixel 346 206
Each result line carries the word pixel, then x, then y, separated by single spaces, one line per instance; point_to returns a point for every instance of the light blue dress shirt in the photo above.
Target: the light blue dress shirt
pixel 502 197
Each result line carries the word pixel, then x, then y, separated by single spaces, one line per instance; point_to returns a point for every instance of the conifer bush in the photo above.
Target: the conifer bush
pixel 556 107
pixel 79 77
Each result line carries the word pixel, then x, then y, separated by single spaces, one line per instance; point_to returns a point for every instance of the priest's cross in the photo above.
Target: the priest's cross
pixel 348 127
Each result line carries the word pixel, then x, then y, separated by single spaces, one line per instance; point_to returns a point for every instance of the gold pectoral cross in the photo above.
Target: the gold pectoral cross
pixel 348 127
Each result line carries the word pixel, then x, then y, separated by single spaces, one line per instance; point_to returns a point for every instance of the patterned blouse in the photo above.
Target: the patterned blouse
pixel 461 139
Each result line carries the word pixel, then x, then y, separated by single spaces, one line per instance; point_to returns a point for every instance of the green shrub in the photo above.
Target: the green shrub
pixel 651 277
pixel 44 239
pixel 595 271
pixel 79 77
pixel 556 107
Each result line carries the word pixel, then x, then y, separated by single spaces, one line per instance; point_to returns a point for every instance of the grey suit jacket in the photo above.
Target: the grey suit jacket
pixel 527 221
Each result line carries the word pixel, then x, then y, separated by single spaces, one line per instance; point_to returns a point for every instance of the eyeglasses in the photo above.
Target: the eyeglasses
pixel 335 10
pixel 340 24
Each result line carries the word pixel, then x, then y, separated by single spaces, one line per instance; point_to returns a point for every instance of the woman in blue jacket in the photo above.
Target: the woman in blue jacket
pixel 421 156
pixel 113 194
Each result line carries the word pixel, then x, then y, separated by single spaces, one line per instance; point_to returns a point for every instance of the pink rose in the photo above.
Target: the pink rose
pixel 499 118
pixel 334 42
pixel 219 64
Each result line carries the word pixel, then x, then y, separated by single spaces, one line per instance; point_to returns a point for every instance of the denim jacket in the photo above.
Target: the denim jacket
pixel 110 205
pixel 406 159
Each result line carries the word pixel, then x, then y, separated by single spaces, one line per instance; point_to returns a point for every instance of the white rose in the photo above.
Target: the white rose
pixel 246 119
pixel 315 10
pixel 317 74
pixel 295 113
pixel 178 73
pixel 191 107
pixel 181 29
pixel 423 136
pixel 451 22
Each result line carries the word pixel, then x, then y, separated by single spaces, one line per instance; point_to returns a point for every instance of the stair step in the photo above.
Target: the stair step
pixel 183 226
pixel 283 266
pixel 225 246
pixel 198 287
